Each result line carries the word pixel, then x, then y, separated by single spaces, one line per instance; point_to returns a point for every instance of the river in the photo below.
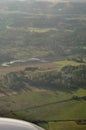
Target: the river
pixel 6 64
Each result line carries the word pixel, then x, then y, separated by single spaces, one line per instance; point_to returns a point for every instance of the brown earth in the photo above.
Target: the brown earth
pixel 41 66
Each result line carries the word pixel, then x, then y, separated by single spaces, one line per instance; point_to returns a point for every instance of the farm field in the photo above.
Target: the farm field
pixel 40 105
pixel 43 63
pixel 46 106
pixel 66 126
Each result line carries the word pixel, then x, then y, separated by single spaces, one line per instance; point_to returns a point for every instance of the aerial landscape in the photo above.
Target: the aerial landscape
pixel 43 62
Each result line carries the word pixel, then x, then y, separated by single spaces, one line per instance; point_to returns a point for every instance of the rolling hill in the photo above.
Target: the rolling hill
pixel 43 62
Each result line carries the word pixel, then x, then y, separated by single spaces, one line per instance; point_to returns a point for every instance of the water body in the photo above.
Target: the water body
pixel 6 64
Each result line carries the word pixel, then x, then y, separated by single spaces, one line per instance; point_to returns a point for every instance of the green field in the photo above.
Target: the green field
pixel 66 126
pixel 50 91
pixel 43 104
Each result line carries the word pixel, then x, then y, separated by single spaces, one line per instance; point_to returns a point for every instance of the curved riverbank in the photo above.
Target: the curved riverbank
pixel 6 64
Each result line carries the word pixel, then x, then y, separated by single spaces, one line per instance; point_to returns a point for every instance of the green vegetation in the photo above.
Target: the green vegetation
pixel 63 77
pixel 27 30
pixel 50 89
pixel 66 125
pixel 45 94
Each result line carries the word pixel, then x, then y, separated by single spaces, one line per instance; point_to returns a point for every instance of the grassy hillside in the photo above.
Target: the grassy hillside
pixel 43 63
pixel 64 75
pixel 42 95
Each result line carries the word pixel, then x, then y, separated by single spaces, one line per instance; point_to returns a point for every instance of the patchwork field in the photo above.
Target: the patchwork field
pixel 43 63
pixel 40 105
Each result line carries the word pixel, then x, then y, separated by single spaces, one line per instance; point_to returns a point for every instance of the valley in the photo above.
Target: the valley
pixel 43 63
